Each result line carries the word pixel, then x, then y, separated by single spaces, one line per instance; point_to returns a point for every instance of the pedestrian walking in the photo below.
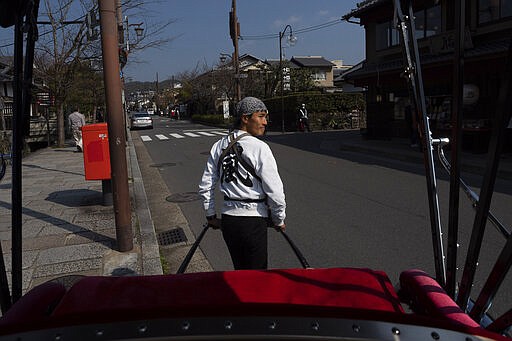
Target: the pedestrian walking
pixel 76 121
pixel 303 118
pixel 250 183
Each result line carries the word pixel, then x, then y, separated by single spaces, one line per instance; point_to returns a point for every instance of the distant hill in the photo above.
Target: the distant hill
pixel 145 86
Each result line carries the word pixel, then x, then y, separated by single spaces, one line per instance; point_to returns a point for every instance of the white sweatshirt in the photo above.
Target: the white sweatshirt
pixel 238 183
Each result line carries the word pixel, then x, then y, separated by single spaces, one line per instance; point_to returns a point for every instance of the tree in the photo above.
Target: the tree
pixel 272 81
pixel 201 89
pixel 87 91
pixel 64 54
pixel 258 82
pixel 301 80
pixel 61 51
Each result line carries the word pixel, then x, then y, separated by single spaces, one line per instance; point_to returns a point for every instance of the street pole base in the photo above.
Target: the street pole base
pixel 106 188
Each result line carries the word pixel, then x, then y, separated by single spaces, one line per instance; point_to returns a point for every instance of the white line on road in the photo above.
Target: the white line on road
pixel 145 138
pixel 178 136
pixel 221 132
pixel 162 137
pixel 205 133
pixel 191 134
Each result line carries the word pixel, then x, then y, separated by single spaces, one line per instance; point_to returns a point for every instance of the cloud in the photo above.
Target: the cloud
pixel 323 13
pixel 290 20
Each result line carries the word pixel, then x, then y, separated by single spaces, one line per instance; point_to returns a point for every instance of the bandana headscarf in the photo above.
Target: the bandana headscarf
pixel 248 106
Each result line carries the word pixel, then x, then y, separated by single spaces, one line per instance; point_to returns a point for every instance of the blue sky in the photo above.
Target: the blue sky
pixel 201 32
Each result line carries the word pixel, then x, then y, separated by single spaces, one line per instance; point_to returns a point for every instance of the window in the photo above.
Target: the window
pixel 433 21
pixel 419 24
pixel 427 23
pixel 387 35
pixel 493 10
pixel 319 75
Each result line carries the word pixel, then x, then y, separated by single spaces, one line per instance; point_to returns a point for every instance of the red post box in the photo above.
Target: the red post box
pixel 96 151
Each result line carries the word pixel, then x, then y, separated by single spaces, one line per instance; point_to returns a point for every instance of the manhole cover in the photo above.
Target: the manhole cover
pixel 171 237
pixel 160 165
pixel 183 197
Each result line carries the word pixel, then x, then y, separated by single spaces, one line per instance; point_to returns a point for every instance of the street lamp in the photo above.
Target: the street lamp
pixel 139 31
pixel 223 57
pixel 291 41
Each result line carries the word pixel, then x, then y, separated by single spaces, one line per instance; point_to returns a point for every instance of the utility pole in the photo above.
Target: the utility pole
pixel 234 26
pixel 115 118
pixel 156 96
pixel 119 20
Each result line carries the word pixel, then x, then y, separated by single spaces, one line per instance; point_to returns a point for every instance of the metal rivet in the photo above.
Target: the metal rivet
pixel 395 331
pixel 315 325
pixel 143 329
pixel 99 333
pixel 435 336
pixel 228 325
pixel 356 328
pixel 185 325
pixel 272 325
pixel 57 337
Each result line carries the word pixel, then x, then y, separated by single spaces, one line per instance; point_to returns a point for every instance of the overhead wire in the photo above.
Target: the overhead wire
pixel 296 32
pixel 47 32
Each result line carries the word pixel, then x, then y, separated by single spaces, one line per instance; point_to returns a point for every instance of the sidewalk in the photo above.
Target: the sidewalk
pixel 66 228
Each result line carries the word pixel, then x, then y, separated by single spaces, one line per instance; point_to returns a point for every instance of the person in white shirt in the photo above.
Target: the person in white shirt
pixel 76 121
pixel 303 118
pixel 251 185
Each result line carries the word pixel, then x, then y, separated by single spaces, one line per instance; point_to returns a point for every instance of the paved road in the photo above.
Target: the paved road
pixel 344 208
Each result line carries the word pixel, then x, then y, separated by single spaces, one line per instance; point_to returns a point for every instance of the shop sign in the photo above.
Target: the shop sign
pixel 445 42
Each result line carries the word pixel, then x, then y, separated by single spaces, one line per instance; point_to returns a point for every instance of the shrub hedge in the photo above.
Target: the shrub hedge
pixel 326 111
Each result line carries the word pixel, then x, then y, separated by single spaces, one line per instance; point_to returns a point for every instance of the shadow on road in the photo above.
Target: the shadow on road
pixel 397 154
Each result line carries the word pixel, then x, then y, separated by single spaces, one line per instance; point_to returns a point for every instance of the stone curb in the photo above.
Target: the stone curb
pixel 151 264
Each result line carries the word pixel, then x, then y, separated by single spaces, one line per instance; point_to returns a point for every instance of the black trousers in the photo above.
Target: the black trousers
pixel 246 239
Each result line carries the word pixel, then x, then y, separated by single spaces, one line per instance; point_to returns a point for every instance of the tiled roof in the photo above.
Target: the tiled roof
pixel 363 7
pixel 248 56
pixel 347 73
pixel 286 62
pixel 312 62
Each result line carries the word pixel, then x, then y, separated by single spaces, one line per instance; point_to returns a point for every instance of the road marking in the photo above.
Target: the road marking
pixel 205 133
pixel 185 134
pixel 191 134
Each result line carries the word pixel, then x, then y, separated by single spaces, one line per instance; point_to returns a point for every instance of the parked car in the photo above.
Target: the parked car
pixel 151 111
pixel 141 120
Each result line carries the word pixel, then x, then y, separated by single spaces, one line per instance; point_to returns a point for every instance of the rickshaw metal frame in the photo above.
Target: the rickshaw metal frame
pixel 447 277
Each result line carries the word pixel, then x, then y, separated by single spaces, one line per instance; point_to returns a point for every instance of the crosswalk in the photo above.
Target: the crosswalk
pixel 183 135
